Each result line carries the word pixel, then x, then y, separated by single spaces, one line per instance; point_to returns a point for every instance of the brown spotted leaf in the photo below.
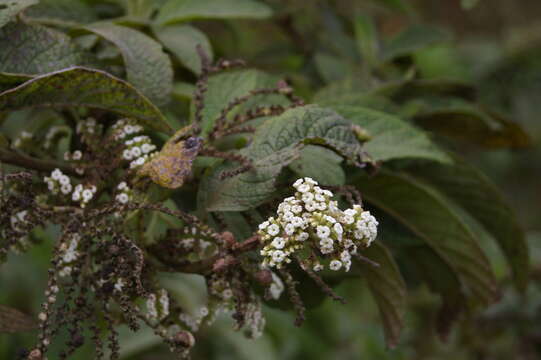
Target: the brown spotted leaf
pixel 173 164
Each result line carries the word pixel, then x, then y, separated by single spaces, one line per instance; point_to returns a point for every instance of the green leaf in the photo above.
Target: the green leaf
pixel 408 89
pixel 10 8
pixel 412 39
pixel 465 121
pixel 275 144
pixel 67 13
pixel 8 81
pixel 188 10
pixel 321 164
pixel 225 87
pixel 183 90
pixel 441 279
pixel 182 41
pixel 392 138
pixel 34 49
pixel 79 86
pixel 388 288
pixel 479 196
pixel 426 213
pixel 367 39
pixel 148 67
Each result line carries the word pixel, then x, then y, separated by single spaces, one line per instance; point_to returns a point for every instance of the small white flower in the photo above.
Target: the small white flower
pixel 264 225
pixel 278 242
pixel 297 183
pixel 66 188
pixel 303 188
pixel 288 216
pixel 311 206
pixel 320 197
pixel 348 219
pixel 326 243
pixel 338 229
pixel 335 265
pixel 307 197
pixel 76 196
pixel 122 198
pixel 296 209
pixel 302 236
pixel 323 231
pixel 77 155
pixel 297 221
pixel 56 174
pixel 310 181
pixel 119 284
pixel 273 229
pixel 136 151
pixel 278 256
pixel 126 154
pixel 289 229
pixel 146 148
pixel 321 206
pixel 87 195
pixel 122 185
pixel 350 212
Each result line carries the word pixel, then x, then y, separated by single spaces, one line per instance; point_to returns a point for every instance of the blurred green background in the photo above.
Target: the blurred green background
pixel 496 45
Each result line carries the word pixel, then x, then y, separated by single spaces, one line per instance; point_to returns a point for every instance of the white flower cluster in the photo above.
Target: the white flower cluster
pixel 310 216
pixel 58 183
pixel 158 305
pixel 68 254
pixel 124 194
pixel 83 195
pixel 23 138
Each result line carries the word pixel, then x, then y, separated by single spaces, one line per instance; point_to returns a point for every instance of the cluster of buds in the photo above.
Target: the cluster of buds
pixel 310 219
pixel 68 254
pixel 125 194
pixel 59 183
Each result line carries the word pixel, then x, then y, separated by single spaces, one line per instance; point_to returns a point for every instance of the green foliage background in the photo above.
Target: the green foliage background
pixel 432 85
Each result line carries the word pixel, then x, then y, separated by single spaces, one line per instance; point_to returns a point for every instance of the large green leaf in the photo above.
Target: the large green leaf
pixel 225 87
pixel 182 41
pixel 34 49
pixel 392 138
pixel 425 212
pixel 148 67
pixel 275 144
pixel 321 164
pixel 462 120
pixel 10 8
pixel 388 288
pixel 413 38
pixel 187 10
pixel 80 86
pixel 476 194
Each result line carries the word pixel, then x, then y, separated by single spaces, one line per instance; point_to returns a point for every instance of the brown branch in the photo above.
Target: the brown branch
pixel 28 162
